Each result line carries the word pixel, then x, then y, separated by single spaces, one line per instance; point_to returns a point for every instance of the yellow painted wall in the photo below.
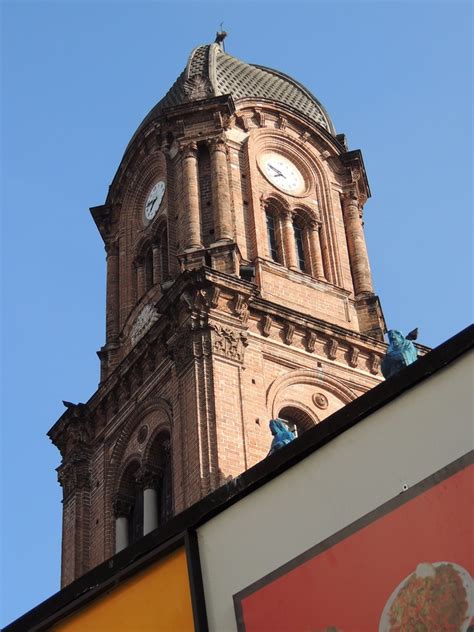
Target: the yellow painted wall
pixel 157 599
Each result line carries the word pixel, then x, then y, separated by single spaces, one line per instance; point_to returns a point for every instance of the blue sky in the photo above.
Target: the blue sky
pixel 77 79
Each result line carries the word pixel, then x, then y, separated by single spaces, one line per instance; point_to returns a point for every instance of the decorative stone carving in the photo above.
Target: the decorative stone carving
pixel 197 87
pixel 304 137
pixel 320 400
pixel 374 363
pixel 189 150
pixel 218 143
pixel 74 475
pixel 241 307
pixel 122 505
pixel 243 121
pixel 311 339
pixel 148 477
pixel 353 357
pixel 288 333
pixel 332 348
pixel 228 342
pixel 182 349
pixel 143 323
pixel 266 325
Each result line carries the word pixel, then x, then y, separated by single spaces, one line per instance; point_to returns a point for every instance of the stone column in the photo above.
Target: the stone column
pixel 112 319
pixel 356 244
pixel 220 190
pixel 122 508
pixel 150 510
pixel 190 181
pixel 289 241
pixel 148 478
pixel 315 249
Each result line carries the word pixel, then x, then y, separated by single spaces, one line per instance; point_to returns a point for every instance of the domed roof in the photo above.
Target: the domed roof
pixel 210 72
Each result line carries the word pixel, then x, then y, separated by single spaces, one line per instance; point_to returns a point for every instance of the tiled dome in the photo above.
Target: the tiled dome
pixel 210 71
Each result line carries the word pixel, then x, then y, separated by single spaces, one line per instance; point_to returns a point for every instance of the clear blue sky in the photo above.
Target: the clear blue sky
pixel 78 77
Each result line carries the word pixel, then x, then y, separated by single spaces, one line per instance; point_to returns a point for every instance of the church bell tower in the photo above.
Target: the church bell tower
pixel 238 290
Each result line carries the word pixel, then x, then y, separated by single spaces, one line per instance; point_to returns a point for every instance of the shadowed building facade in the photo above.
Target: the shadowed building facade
pixel 238 290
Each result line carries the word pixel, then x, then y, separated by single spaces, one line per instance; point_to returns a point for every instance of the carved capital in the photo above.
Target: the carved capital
pixel 218 143
pixel 189 150
pixel 148 477
pixel 122 505
pixel 112 248
pixel 74 476
pixel 74 431
pixel 350 201
pixel 314 224
pixel 228 342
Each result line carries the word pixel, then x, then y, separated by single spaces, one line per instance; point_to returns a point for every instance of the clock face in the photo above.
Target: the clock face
pixel 154 199
pixel 282 173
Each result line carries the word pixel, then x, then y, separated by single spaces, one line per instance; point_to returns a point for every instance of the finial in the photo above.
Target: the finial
pixel 220 36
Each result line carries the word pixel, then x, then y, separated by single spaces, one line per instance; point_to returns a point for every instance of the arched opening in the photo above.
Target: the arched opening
pixel 300 243
pixel 275 249
pixel 298 421
pixel 164 256
pixel 159 460
pixel 128 508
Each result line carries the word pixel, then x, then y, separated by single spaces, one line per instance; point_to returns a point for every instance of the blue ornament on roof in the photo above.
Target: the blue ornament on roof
pixel 282 435
pixel 400 352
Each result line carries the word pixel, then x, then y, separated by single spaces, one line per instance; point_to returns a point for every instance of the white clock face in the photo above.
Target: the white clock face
pixel 282 173
pixel 154 199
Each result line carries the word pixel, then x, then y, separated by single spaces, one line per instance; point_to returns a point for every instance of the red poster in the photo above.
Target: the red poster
pixel 406 565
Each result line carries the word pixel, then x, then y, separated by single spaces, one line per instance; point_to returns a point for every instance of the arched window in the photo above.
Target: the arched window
pixel 128 508
pixel 298 421
pixel 273 236
pixel 164 255
pixel 159 458
pixel 149 269
pixel 300 238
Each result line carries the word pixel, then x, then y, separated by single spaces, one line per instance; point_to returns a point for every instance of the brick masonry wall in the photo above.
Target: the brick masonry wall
pixel 221 357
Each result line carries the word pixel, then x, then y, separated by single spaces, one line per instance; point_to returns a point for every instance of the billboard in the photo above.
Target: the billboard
pixel 405 566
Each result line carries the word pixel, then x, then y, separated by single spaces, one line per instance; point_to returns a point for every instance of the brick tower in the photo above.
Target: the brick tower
pixel 238 289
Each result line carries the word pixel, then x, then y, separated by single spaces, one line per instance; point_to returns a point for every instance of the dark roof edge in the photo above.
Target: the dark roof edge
pixel 155 544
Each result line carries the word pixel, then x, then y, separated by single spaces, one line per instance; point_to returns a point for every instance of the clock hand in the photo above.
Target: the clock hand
pixel 151 202
pixel 279 173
